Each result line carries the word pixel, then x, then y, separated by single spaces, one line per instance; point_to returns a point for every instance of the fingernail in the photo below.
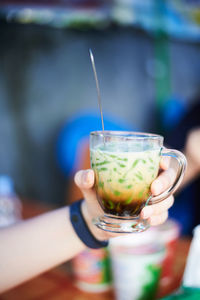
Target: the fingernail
pixel 147 212
pixel 87 176
pixel 90 176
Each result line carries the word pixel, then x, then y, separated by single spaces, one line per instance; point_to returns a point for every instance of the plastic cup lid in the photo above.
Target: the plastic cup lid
pixel 135 239
pixel 169 230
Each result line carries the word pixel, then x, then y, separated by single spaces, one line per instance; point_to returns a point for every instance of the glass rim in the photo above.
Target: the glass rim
pixel 126 134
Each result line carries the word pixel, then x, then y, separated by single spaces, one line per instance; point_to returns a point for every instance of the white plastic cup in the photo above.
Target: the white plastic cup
pixel 136 265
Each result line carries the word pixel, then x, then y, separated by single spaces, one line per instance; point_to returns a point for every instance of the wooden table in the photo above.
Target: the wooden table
pixel 58 284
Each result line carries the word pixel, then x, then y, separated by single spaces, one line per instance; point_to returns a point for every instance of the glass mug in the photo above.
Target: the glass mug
pixel 125 164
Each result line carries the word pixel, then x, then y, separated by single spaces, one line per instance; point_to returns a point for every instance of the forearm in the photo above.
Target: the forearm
pixel 36 245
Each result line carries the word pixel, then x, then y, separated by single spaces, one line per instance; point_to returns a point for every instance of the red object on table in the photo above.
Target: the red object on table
pixel 58 284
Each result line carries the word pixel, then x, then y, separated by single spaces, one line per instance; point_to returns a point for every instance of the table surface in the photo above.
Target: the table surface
pixel 59 284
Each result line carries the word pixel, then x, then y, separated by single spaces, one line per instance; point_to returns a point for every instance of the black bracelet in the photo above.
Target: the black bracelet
pixel 82 229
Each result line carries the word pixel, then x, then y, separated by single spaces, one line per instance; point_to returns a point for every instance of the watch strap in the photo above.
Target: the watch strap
pixel 81 228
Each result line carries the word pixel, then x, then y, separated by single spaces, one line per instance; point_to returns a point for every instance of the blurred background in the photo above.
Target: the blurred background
pixel 148 62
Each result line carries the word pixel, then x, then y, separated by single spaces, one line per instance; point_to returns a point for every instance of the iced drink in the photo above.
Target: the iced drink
pixel 123 176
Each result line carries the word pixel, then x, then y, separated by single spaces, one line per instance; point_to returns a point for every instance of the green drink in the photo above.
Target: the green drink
pixel 123 179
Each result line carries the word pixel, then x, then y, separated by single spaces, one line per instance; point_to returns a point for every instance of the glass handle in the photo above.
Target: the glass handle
pixel 182 163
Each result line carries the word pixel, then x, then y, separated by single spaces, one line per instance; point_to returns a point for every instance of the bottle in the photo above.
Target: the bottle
pixel 10 204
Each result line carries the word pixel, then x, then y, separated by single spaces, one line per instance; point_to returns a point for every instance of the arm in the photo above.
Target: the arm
pixel 36 245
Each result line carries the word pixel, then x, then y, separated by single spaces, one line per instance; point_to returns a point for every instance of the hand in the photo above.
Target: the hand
pixel 156 214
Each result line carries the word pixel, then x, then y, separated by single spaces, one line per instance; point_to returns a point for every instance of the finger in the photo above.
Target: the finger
pixel 157 208
pixel 84 179
pixel 163 181
pixel 165 162
pixel 158 219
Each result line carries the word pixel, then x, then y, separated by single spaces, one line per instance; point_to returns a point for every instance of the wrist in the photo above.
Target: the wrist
pixel 99 234
pixel 84 227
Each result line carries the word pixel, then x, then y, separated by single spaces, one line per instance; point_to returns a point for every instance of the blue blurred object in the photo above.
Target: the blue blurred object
pixel 6 185
pixel 77 129
pixel 176 18
pixel 172 112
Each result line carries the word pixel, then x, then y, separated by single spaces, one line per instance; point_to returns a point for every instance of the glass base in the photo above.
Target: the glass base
pixel 121 225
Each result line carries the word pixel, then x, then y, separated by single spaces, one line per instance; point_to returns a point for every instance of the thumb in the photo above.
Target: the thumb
pixel 84 179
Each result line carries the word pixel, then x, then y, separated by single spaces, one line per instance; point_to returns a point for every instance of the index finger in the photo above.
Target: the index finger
pixel 163 181
pixel 165 162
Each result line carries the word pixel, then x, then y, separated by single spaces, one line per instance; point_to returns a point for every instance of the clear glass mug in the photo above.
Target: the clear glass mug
pixel 125 164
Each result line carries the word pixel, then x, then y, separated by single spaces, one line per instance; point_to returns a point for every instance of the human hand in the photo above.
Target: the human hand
pixel 158 213
pixel 192 148
pixel 155 214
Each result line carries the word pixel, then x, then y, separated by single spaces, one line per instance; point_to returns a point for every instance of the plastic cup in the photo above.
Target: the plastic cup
pixel 136 265
pixel 92 272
